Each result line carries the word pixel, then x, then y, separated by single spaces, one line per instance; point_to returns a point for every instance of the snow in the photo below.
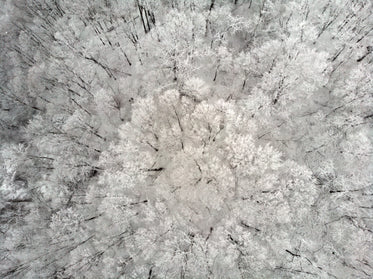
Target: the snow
pixel 186 139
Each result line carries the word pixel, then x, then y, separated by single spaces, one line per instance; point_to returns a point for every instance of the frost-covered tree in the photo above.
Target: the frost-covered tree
pixel 188 181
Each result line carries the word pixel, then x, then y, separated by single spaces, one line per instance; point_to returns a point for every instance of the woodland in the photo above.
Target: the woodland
pixel 186 139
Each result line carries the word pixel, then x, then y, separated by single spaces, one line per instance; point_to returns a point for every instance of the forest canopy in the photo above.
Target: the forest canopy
pixel 186 139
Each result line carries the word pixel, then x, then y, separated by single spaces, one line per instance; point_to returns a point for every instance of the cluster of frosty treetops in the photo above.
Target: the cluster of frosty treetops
pixel 186 139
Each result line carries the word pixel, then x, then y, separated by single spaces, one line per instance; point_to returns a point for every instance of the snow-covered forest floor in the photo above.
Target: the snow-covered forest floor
pixel 186 139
